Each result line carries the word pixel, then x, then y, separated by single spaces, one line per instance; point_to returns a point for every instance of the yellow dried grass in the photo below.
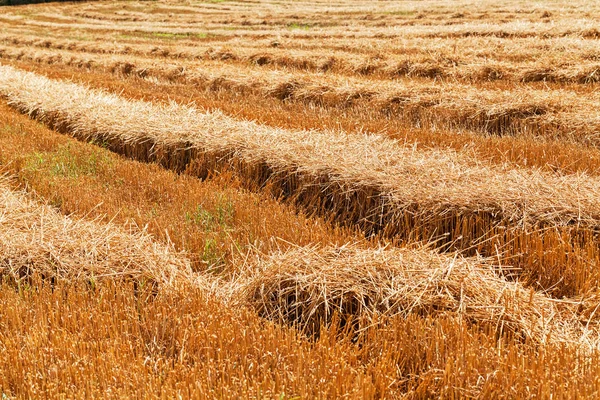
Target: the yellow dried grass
pixel 306 287
pixel 550 114
pixel 432 60
pixel 36 239
pixel 371 166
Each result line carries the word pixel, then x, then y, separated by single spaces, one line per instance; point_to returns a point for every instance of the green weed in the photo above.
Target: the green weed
pixel 65 163
pixel 218 220
pixel 303 27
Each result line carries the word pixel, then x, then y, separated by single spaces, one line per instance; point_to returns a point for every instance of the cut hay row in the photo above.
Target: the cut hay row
pixel 369 182
pixel 561 51
pixel 36 239
pixel 550 51
pixel 306 287
pixel 363 163
pixel 303 287
pixel 188 29
pixel 337 11
pixel 552 155
pixel 183 345
pixel 581 28
pixel 424 65
pixel 569 25
pixel 553 114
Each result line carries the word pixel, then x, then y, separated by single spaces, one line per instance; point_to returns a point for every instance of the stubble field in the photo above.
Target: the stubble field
pixel 308 199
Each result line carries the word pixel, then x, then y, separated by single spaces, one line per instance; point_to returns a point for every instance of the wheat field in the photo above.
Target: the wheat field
pixel 300 199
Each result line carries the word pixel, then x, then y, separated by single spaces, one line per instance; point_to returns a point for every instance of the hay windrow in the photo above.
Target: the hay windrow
pixel 450 105
pixel 443 64
pixel 36 239
pixel 368 180
pixel 306 287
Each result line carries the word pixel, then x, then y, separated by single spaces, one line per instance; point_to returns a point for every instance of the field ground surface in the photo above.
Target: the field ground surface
pixel 300 199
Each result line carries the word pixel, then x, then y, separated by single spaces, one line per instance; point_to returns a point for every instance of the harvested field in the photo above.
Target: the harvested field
pixel 477 209
pixel 184 139
pixel 159 341
pixel 231 199
pixel 469 66
pixel 552 114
